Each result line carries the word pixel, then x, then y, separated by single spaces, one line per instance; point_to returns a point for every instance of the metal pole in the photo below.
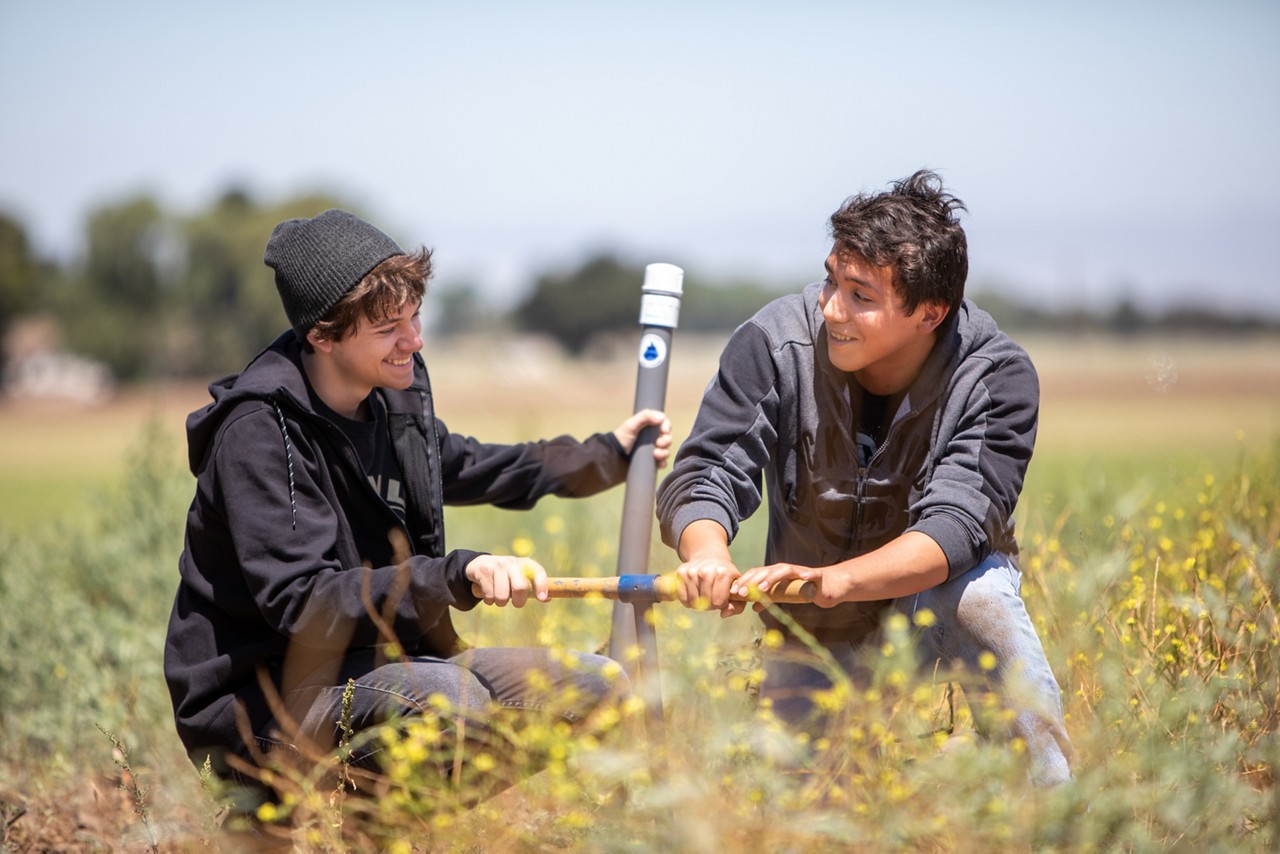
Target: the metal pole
pixel 632 640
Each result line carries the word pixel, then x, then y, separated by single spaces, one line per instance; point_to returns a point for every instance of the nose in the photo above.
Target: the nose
pixel 833 309
pixel 412 337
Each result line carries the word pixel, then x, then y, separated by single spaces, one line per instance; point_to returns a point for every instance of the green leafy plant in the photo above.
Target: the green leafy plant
pixel 1156 598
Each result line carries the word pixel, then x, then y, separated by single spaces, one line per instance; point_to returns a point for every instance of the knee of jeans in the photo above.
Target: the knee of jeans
pixel 980 603
pixel 976 611
pixel 988 589
pixel 427 688
pixel 470 693
pixel 601 677
pixel 983 601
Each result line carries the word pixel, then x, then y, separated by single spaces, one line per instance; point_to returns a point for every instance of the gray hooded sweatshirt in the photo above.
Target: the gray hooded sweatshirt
pixel 951 464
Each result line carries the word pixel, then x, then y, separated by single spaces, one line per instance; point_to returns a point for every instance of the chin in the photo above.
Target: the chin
pixel 841 362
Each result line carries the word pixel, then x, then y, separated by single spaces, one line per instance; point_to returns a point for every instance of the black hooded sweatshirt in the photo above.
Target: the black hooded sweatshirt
pixel 288 544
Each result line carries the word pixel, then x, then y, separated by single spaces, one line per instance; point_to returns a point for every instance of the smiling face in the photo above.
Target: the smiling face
pixel 375 355
pixel 869 334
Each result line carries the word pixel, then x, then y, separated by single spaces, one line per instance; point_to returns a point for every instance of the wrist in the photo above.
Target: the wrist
pixel 708 555
pixel 838 582
pixel 704 540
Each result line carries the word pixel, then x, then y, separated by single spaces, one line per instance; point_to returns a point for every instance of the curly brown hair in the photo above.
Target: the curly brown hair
pixel 383 291
pixel 913 228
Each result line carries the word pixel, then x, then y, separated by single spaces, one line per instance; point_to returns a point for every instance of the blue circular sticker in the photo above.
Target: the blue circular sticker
pixel 653 351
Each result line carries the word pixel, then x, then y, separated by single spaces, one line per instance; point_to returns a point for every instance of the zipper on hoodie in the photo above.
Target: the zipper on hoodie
pixel 433 463
pixel 859 492
pixel 860 481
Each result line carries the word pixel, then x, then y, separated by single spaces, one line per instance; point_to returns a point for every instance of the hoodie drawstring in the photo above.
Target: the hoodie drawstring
pixel 288 455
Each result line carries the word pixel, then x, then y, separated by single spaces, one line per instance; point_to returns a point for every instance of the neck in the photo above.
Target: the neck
pixel 337 394
pixel 896 375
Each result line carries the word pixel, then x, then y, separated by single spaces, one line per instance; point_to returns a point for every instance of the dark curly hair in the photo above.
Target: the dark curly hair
pixel 913 228
pixel 380 294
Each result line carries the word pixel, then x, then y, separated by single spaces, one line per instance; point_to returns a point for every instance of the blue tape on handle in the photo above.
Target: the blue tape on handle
pixel 637 588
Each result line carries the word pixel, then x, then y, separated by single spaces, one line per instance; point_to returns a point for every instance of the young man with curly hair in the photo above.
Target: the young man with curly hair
pixel 315 550
pixel 891 424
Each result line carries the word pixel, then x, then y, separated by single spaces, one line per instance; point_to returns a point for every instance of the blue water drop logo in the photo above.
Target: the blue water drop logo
pixel 652 353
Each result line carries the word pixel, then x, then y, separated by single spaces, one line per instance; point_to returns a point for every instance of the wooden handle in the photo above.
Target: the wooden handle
pixel 658 588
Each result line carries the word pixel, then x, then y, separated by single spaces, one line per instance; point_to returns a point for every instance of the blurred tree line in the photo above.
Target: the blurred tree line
pixel 601 296
pixel 159 295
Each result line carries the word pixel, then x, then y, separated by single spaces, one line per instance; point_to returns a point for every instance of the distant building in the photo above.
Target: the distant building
pixel 36 368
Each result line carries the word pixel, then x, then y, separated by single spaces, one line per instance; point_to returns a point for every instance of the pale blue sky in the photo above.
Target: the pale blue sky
pixel 1097 144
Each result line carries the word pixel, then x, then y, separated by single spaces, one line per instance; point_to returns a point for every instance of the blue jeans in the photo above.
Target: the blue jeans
pixel 474 683
pixel 976 612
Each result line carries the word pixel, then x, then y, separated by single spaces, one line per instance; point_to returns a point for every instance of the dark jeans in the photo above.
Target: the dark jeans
pixel 569 686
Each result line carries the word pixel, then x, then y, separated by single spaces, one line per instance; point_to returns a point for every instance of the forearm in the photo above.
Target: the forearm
pixel 909 564
pixel 902 567
pixel 516 476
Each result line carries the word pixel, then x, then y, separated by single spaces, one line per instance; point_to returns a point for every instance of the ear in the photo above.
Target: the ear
pixel 318 343
pixel 932 314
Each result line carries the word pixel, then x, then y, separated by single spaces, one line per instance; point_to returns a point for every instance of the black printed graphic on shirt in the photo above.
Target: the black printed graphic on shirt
pixel 373 447
pixel 389 489
pixel 848 505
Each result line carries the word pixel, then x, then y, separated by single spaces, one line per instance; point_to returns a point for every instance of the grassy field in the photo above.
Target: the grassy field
pixel 1143 400
pixel 1152 553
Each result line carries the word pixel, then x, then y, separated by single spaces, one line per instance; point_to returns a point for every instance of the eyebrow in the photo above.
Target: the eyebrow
pixel 394 319
pixel 857 280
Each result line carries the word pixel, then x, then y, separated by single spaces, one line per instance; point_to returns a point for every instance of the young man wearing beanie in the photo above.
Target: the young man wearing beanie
pixel 315 550
pixel 892 423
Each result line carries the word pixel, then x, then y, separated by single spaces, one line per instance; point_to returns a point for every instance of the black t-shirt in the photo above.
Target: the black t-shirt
pixel 373 447
pixel 872 415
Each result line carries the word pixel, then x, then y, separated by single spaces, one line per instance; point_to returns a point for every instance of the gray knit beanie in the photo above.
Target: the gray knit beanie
pixel 319 260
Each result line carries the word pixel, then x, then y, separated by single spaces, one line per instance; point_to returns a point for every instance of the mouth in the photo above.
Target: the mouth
pixel 400 363
pixel 836 336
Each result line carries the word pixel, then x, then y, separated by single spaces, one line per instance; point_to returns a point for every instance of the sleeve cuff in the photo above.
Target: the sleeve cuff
pixel 459 585
pixel 961 551
pixel 692 512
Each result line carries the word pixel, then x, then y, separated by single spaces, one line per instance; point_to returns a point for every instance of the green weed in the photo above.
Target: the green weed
pixel 1155 591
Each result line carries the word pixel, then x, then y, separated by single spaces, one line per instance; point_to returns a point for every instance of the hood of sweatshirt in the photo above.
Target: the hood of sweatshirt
pixel 275 375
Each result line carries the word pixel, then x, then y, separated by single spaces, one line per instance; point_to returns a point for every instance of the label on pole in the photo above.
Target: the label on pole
pixel 653 351
pixel 659 310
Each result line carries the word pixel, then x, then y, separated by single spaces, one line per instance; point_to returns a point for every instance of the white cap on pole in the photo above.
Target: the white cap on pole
pixel 660 302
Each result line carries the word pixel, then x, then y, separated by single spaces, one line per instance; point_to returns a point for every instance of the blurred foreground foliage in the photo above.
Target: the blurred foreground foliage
pixel 1155 595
